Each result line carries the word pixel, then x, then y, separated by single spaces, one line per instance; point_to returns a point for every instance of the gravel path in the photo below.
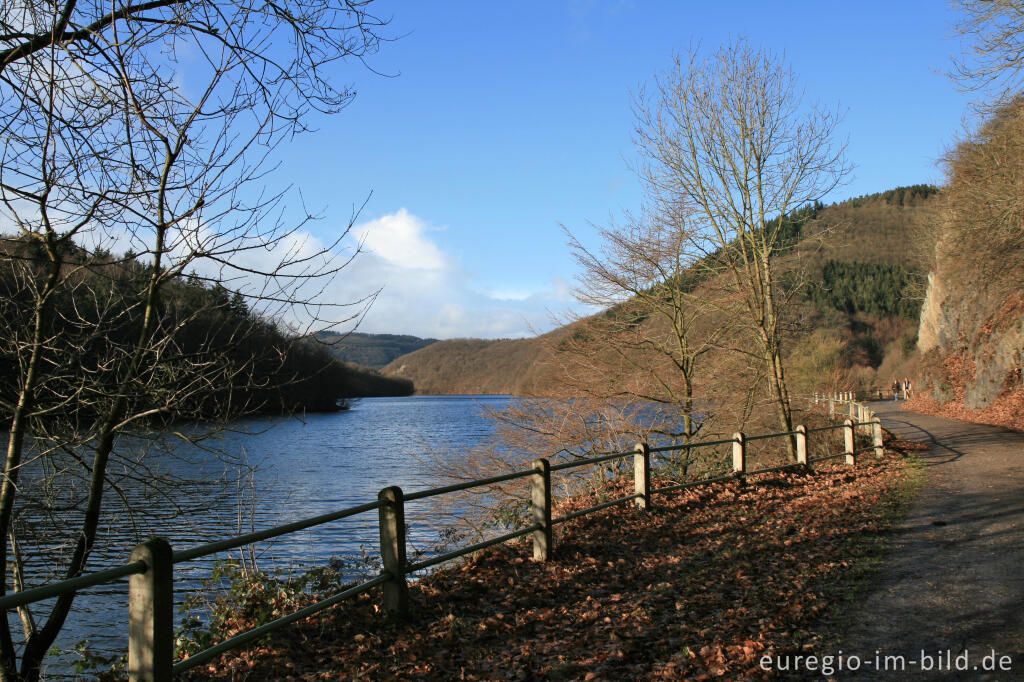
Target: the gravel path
pixel 954 577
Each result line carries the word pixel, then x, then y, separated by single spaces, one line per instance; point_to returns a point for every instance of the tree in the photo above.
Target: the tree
pixel 726 141
pixel 995 57
pixel 146 126
pixel 658 322
pixel 980 233
pixel 982 196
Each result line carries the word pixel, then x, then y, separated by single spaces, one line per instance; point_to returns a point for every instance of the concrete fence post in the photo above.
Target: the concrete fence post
pixel 642 475
pixel 849 442
pixel 801 446
pixel 540 497
pixel 739 454
pixel 876 436
pixel 151 613
pixel 392 551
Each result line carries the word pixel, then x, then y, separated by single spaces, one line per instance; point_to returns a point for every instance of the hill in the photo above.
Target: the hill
pixel 371 350
pixel 476 366
pixel 857 315
pixel 214 356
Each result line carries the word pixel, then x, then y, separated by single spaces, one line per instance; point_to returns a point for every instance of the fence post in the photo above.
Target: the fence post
pixel 849 442
pixel 739 454
pixel 801 445
pixel 876 436
pixel 642 475
pixel 392 551
pixel 151 613
pixel 540 494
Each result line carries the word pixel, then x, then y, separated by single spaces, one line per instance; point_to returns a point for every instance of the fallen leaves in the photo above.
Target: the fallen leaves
pixel 699 587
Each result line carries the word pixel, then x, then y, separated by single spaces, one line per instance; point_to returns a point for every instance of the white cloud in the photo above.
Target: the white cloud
pixel 424 290
pixel 428 292
pixel 511 295
pixel 401 240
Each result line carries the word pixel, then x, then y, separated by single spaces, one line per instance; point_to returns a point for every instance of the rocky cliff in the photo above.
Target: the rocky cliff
pixel 972 335
pixel 971 331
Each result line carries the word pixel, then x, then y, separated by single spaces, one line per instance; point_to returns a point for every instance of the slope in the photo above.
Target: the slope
pixel 371 350
pixel 864 266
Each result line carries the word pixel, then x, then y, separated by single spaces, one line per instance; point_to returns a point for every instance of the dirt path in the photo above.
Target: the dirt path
pixel 954 578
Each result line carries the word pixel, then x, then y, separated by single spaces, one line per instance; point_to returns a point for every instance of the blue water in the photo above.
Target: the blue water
pixel 299 469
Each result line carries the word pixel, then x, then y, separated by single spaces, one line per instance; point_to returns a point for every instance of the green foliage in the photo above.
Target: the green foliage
pixel 216 357
pixel 248 599
pixel 899 196
pixel 510 515
pixel 97 666
pixel 790 227
pixel 786 230
pixel 874 288
pixel 371 350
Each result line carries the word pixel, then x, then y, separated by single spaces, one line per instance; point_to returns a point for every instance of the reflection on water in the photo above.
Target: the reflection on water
pixel 301 469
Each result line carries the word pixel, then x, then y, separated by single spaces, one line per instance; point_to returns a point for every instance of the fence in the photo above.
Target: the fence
pixel 150 567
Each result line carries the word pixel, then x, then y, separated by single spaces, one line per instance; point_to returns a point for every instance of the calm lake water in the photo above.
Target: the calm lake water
pixel 302 469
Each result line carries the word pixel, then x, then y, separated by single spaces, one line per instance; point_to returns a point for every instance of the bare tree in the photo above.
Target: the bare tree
pixel 141 125
pixel 727 141
pixel 658 321
pixel 994 58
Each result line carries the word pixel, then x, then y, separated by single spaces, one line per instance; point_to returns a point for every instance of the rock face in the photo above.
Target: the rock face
pixel 972 321
pixel 972 331
pixel 930 334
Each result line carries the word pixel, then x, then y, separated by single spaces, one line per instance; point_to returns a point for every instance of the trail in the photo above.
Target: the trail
pixel 953 580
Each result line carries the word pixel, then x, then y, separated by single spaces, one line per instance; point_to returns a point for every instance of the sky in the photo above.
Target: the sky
pixel 485 128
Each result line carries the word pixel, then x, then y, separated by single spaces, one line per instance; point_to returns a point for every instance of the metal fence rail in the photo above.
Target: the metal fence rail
pixel 150 568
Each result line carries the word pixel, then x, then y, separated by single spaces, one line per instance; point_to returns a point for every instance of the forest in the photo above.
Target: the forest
pixel 878 289
pixel 248 364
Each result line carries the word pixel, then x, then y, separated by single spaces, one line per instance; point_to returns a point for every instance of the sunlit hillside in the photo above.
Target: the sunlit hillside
pixel 855 322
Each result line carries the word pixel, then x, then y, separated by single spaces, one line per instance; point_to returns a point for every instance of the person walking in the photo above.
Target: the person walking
pixel 895 389
pixel 907 388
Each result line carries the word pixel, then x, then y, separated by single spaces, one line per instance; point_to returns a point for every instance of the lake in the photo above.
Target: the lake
pixel 320 464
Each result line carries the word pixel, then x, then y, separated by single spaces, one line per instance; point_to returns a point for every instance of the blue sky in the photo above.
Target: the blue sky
pixel 498 122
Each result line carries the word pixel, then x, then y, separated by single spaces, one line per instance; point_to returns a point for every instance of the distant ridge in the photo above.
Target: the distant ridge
pixel 859 255
pixel 477 366
pixel 371 350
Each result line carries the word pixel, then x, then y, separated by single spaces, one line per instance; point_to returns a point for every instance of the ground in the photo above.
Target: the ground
pixel 706 584
pixel 953 580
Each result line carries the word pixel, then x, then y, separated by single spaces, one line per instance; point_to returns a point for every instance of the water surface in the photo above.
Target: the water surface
pixel 301 468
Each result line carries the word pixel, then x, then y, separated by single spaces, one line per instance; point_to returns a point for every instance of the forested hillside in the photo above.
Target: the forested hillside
pixel 861 271
pixel 371 350
pixel 477 366
pixel 217 357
